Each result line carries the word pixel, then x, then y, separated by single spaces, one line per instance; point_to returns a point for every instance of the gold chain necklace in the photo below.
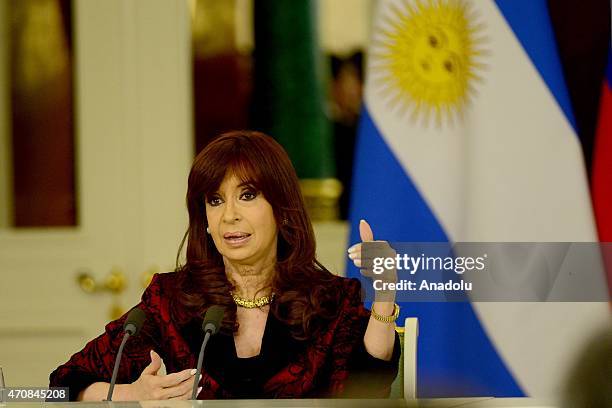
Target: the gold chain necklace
pixel 252 304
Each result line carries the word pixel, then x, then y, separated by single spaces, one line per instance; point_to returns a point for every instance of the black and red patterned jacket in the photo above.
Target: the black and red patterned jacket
pixel 335 364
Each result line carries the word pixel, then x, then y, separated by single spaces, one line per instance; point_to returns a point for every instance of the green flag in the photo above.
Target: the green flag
pixel 289 101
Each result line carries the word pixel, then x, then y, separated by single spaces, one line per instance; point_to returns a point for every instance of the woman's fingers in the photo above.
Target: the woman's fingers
pixel 354 248
pixel 364 255
pixel 179 390
pixel 162 387
pixel 173 379
pixel 365 231
pixel 354 253
pixel 357 254
pixel 154 365
pixel 186 395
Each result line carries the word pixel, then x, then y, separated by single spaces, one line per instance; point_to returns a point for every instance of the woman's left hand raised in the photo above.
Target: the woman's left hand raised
pixel 363 255
pixel 379 338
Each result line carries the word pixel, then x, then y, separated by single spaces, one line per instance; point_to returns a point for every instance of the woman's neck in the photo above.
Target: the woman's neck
pixel 250 281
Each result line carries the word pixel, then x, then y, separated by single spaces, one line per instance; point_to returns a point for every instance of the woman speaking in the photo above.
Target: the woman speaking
pixel 291 329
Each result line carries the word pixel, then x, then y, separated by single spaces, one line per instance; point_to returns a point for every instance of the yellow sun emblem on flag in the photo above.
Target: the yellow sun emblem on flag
pixel 426 57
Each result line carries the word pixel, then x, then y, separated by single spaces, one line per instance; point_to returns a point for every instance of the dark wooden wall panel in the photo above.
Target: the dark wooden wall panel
pixel 42 114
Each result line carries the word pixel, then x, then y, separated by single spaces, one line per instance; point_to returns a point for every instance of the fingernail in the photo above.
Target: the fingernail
pixel 192 372
pixel 352 256
pixel 199 390
pixel 351 249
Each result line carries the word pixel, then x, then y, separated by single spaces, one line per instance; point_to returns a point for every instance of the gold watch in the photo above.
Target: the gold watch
pixel 387 319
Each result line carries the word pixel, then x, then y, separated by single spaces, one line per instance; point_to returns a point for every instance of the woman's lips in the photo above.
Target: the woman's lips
pixel 236 239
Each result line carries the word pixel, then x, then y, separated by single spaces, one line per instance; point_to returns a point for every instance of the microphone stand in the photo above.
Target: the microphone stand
pixel 126 336
pixel 199 366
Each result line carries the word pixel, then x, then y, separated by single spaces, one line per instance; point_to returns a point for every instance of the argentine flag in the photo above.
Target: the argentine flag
pixel 467 134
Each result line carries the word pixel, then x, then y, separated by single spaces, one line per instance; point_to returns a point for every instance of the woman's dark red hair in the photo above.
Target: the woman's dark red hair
pixel 305 294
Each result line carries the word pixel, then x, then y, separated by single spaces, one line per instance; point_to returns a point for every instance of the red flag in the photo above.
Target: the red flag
pixel 602 170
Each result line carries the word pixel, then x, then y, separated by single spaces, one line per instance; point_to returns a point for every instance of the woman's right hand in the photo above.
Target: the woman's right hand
pixel 150 386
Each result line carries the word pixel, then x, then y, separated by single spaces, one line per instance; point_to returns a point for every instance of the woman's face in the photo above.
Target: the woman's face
pixel 241 223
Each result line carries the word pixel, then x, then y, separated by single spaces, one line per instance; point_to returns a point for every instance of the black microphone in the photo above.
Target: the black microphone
pixel 210 326
pixel 131 327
